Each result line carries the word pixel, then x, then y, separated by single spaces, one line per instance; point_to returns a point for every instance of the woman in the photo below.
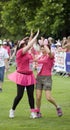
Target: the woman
pixel 44 77
pixel 23 76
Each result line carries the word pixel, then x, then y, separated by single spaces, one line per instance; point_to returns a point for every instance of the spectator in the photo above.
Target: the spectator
pixel 3 63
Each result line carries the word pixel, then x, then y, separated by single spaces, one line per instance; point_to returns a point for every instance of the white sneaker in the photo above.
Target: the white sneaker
pixel 11 113
pixel 33 115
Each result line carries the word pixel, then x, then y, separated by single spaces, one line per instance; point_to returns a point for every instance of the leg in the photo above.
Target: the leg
pixel 30 93
pixel 1 83
pixel 20 91
pixel 51 100
pixel 38 102
pixel 38 98
pixel 2 72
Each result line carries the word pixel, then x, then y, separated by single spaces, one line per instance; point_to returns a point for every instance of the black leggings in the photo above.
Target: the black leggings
pixel 20 92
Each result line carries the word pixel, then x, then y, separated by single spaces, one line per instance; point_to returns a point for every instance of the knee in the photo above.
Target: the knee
pixel 48 98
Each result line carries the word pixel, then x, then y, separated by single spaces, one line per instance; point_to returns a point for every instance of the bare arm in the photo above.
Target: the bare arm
pixel 30 43
pixel 66 46
pixel 49 51
pixel 31 36
pixel 25 38
pixel 14 53
pixel 6 64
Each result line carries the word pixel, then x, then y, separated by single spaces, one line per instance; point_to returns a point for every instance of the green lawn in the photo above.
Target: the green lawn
pixel 49 120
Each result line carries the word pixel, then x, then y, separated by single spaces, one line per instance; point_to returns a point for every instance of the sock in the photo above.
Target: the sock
pixel 37 110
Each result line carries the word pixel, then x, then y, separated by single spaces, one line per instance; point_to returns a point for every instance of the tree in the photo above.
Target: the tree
pixel 18 17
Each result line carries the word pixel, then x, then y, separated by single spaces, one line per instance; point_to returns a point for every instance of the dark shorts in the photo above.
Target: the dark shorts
pixel 44 83
pixel 2 70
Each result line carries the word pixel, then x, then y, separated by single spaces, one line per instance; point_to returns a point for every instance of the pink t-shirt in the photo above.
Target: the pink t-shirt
pixel 45 64
pixel 24 62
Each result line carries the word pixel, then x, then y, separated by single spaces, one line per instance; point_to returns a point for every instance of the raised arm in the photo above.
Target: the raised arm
pixel 30 43
pixel 48 51
pixel 31 35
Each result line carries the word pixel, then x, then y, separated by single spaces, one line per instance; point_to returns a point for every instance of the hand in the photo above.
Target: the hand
pixel 31 32
pixel 37 33
pixel 6 69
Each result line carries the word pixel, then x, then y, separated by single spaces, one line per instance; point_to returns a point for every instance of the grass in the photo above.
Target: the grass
pixel 49 121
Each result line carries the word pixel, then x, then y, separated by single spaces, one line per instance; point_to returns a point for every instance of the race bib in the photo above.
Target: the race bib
pixel 39 67
pixel 31 65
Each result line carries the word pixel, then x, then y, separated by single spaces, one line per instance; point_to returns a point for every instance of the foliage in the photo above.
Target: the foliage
pixel 18 17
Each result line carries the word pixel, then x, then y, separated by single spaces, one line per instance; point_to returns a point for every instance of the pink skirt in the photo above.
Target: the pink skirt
pixel 22 79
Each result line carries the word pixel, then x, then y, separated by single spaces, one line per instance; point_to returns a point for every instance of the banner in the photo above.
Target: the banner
pixel 67 62
pixel 62 62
